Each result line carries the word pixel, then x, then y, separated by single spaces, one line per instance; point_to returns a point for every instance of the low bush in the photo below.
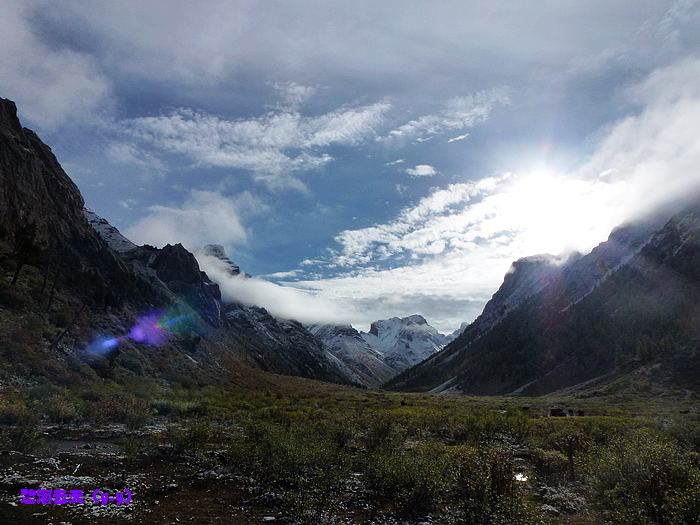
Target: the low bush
pixel 551 466
pixel 644 478
pixel 13 410
pixel 412 481
pixel 309 466
pixel 192 439
pixel 384 433
pixel 481 425
pixel 486 488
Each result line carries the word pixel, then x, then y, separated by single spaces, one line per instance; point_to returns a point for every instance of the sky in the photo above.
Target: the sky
pixel 364 159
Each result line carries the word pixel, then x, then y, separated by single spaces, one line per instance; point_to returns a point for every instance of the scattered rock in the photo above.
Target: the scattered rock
pixel 548 509
pixel 563 499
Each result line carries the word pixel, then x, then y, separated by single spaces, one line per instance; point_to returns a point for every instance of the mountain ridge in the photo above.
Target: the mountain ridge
pixel 588 322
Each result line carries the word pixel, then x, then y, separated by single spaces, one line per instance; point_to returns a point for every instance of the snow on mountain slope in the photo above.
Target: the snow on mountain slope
pixel 109 233
pixel 346 343
pixel 404 342
pixel 284 346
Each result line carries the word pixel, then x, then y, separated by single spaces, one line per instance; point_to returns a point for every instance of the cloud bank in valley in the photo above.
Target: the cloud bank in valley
pixel 280 301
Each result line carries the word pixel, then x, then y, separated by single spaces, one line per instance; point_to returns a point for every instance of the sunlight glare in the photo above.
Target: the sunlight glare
pixel 558 213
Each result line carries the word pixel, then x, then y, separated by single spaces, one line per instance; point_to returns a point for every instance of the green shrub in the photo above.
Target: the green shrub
pixel 177 408
pixel 61 409
pixel 13 410
pixel 193 439
pixel 551 465
pixel 384 433
pixel 413 481
pixel 643 478
pixel 479 426
pixel 106 407
pixel 310 467
pixel 486 488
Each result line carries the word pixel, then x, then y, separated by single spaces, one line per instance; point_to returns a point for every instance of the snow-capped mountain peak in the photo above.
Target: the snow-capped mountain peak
pixel 404 342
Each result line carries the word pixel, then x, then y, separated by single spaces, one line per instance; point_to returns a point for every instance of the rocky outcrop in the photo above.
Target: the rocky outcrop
pixel 178 269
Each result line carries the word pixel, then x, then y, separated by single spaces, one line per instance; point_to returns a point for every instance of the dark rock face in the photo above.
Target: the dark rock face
pixel 176 264
pixel 178 269
pixel 35 192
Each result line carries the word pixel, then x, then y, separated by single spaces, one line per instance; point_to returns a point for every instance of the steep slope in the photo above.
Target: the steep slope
pixel 344 342
pixel 454 335
pixel 283 346
pixel 42 221
pixel 275 344
pixel 594 320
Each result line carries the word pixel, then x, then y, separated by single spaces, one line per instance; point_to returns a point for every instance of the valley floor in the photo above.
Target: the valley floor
pixel 310 452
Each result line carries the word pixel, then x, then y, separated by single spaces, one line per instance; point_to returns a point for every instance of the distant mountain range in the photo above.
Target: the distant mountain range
pixel 390 346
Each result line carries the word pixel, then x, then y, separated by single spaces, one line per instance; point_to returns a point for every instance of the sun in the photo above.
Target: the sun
pixel 558 212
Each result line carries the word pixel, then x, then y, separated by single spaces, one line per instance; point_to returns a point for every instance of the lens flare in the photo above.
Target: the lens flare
pixel 148 329
pixel 102 345
pixel 153 328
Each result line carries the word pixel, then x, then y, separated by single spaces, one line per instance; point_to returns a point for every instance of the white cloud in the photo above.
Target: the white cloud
pixel 651 157
pixel 50 85
pixel 204 218
pixel 280 301
pixel 375 44
pixel 271 146
pixel 449 252
pixel 282 275
pixel 458 113
pixel 130 154
pixel 394 162
pixel 293 94
pixel 457 138
pixel 422 170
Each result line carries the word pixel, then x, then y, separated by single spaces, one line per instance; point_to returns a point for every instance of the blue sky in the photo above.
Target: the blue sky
pixel 376 159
